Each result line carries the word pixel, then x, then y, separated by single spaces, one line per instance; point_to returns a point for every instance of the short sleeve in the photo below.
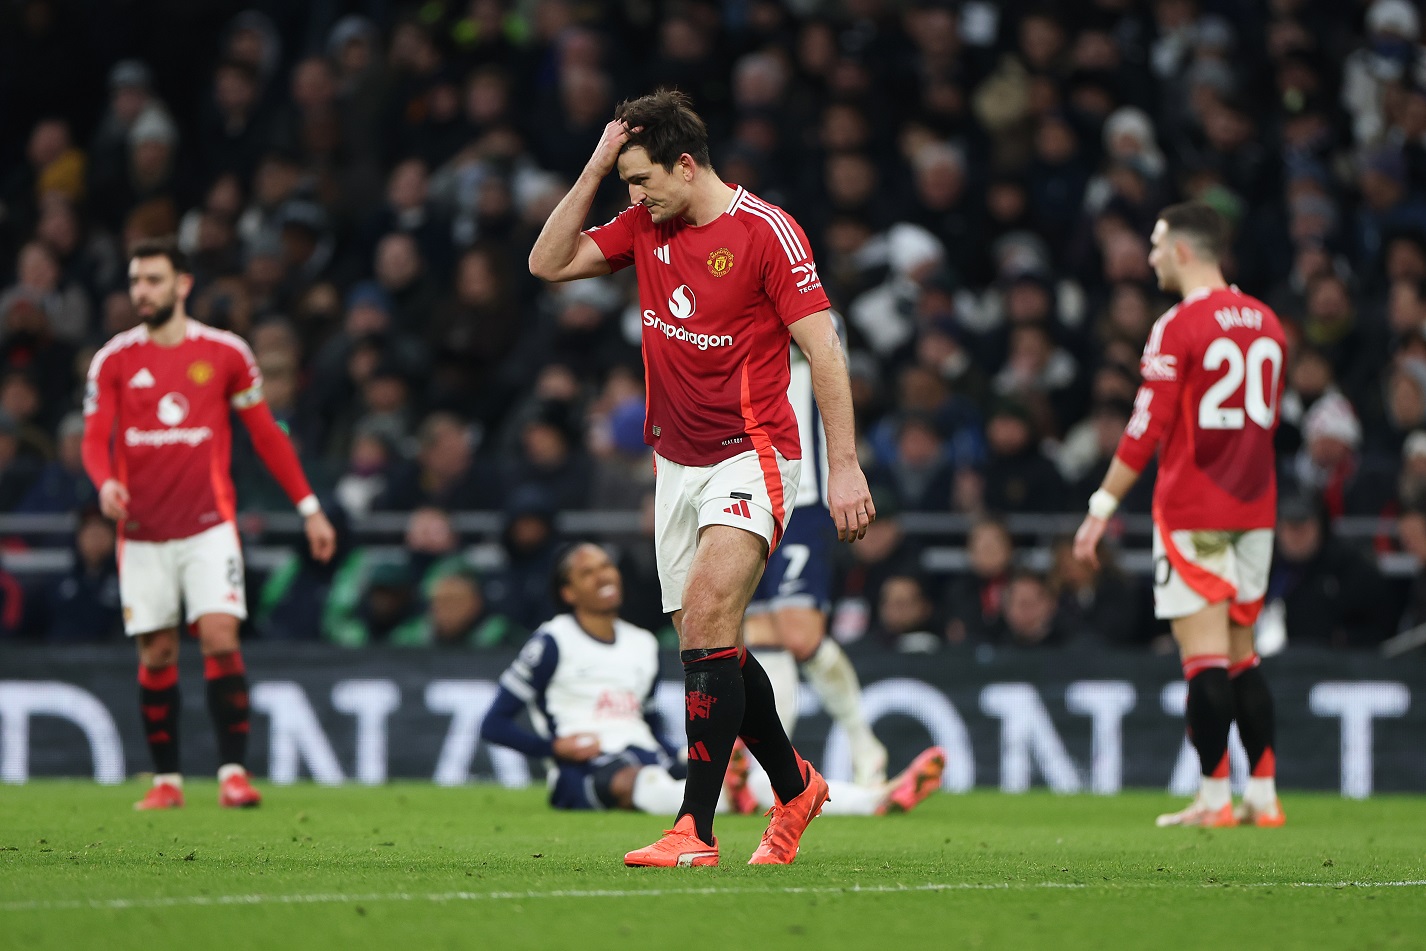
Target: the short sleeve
pixel 616 238
pixel 789 272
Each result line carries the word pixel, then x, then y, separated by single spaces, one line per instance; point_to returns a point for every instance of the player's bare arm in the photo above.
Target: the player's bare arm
pixel 1117 482
pixel 562 252
pixel 848 497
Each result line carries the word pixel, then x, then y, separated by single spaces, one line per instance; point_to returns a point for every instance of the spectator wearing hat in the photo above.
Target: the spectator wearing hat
pixel 82 604
pixel 1389 55
pixel 549 459
pixel 1330 467
pixel 520 589
pixel 1331 595
pixel 131 96
pixel 150 171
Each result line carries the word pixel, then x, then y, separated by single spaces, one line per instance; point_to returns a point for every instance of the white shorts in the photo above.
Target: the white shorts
pixel 1196 568
pixel 739 491
pixel 205 571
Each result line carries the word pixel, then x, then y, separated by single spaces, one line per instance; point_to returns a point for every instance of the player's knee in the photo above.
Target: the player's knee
pixel 158 649
pixel 218 633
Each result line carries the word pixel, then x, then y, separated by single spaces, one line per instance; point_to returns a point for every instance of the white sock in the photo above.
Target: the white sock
pixel 230 769
pixel 1215 793
pixel 781 669
pixel 831 674
pixel 849 799
pixel 171 779
pixel 1261 791
pixel 656 792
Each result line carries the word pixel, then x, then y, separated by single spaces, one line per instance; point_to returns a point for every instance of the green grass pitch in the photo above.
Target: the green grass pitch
pixel 411 866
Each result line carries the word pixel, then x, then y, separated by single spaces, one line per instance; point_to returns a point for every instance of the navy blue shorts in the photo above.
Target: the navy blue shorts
pixel 799 573
pixel 586 785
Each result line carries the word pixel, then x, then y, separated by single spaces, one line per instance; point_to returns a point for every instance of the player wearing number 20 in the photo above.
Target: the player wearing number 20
pixel 1212 377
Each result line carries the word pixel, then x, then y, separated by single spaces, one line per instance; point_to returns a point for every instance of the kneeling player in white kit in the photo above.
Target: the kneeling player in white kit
pixel 786 622
pixel 587 679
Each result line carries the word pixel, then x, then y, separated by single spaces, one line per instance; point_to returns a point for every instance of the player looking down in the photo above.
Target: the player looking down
pixel 587 679
pixel 724 279
pixel 157 441
pixel 1212 381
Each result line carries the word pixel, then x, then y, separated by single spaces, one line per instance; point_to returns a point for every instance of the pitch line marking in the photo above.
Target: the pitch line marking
pixel 200 901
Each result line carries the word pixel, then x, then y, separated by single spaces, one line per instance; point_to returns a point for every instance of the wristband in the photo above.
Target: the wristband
pixel 310 506
pixel 1102 504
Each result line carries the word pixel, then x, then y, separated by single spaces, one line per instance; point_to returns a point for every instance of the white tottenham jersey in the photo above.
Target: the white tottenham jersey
pixel 812 487
pixel 572 682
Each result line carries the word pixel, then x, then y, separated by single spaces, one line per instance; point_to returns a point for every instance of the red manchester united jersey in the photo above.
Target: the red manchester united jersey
pixel 168 409
pixel 717 300
pixel 1213 379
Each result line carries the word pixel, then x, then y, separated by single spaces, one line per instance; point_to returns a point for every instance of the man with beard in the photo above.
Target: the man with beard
pixel 161 393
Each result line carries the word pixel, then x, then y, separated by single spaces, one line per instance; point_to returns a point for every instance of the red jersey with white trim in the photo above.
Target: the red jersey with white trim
pixel 1213 372
pixel 717 300
pixel 168 411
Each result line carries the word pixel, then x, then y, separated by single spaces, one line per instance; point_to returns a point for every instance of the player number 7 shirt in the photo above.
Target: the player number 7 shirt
pixel 716 302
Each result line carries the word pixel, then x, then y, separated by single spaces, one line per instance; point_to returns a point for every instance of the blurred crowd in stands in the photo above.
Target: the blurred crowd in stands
pixel 359 182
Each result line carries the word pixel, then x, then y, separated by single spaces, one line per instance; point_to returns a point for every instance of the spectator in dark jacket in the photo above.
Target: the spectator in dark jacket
pixel 83 603
pixel 1331 595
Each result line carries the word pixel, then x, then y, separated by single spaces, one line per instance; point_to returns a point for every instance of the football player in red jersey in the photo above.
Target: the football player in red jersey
pixel 1213 372
pixel 157 442
pixel 725 280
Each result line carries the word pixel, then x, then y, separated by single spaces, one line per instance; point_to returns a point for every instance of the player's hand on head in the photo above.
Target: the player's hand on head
pixel 611 143
pixel 1086 540
pixel 114 500
pixel 577 747
pixel 849 500
pixel 321 537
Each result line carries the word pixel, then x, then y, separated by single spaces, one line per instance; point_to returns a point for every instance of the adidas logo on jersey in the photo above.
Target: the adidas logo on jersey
pixel 141 379
pixel 661 252
pixel 739 507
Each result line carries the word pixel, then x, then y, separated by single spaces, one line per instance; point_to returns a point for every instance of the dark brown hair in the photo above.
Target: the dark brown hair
pixel 1200 224
pixel 161 248
pixel 670 128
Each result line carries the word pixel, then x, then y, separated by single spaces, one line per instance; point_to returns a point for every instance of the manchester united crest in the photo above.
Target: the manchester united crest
pixel 720 262
pixel 200 372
